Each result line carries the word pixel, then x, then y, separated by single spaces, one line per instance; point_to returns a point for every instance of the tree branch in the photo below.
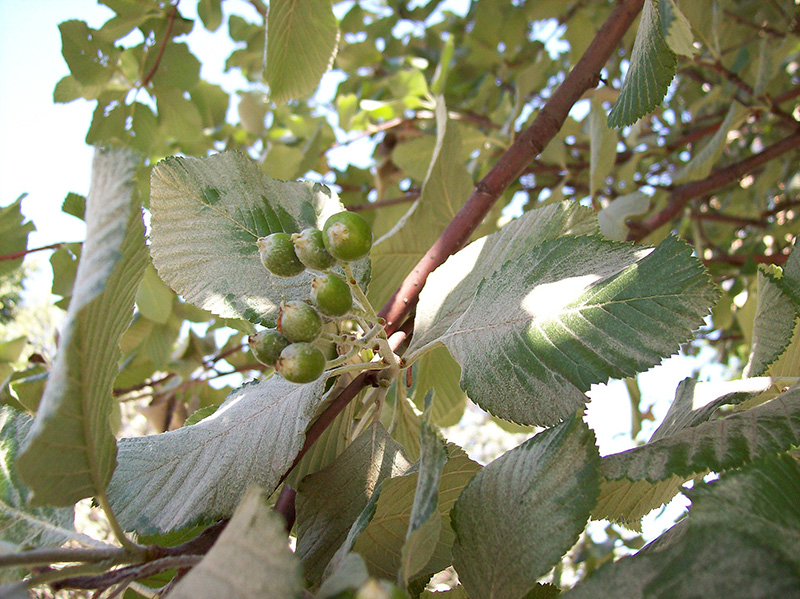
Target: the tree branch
pixel 170 22
pixel 512 163
pixel 15 255
pixel 716 180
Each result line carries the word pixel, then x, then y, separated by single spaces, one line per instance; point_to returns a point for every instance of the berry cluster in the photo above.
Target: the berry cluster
pixel 294 347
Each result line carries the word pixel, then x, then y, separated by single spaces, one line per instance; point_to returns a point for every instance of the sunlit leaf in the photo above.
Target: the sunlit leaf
pixel 207 214
pixel 70 452
pixel 302 36
pixel 570 313
pixel 250 560
pixel 169 481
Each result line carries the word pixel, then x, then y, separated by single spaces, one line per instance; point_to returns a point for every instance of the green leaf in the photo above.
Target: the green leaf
pixel 350 575
pixel 790 281
pixel 451 287
pixel 178 68
pixel 523 511
pixel 90 59
pixel 329 501
pixel 331 443
pixel 75 205
pixel 570 313
pixel 380 540
pixel 250 560
pixel 676 28
pixel 169 481
pixel 70 452
pixel 14 230
pixel 447 185
pixel 20 524
pixel 302 37
pixel 438 370
pixel 651 70
pixel 424 524
pixel 727 442
pixel 154 298
pixel 210 12
pixel 772 327
pixel 740 541
pixel 699 167
pixel 602 148
pixel 626 500
pixel 207 214
pixel 612 218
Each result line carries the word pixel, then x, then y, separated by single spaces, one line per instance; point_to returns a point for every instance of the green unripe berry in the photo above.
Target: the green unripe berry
pixel 311 250
pixel 267 345
pixel 298 321
pixel 277 255
pixel 331 295
pixel 300 363
pixel 347 236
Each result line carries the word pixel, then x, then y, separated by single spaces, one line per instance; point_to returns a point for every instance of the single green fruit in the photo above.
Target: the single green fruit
pixel 267 345
pixel 347 236
pixel 311 250
pixel 300 363
pixel 331 295
pixel 277 255
pixel 298 321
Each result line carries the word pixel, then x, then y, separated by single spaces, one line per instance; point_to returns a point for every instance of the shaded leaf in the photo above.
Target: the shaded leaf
pixel 14 230
pixel 602 148
pixel 773 326
pixel 175 479
pixel 329 501
pixel 523 511
pixel 70 452
pixel 652 67
pixel 20 524
pixel 250 560
pixel 424 524
pixel 740 541
pixel 612 218
pixel 676 28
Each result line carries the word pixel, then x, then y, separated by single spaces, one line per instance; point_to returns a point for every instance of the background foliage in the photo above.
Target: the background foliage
pixel 689 132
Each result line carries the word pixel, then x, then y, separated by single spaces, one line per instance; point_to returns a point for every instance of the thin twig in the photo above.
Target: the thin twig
pixel 15 255
pixel 170 22
pixel 716 180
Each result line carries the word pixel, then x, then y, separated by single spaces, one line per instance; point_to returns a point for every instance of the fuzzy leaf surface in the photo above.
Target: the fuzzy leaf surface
pixel 523 511
pixel 752 513
pixel 169 481
pixel 570 313
pixel 727 442
pixel 451 287
pixel 329 501
pixel 250 560
pixel 21 524
pixel 626 501
pixel 302 37
pixel 651 70
pixel 773 326
pixel 207 214
pixel 70 451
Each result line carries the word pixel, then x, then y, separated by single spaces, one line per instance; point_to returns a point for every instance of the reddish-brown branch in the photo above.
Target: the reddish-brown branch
pixel 170 22
pixel 15 255
pixel 738 260
pixel 513 162
pixel 718 179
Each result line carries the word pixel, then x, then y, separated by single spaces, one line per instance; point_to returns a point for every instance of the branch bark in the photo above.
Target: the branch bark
pixel 532 141
pixel 718 179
